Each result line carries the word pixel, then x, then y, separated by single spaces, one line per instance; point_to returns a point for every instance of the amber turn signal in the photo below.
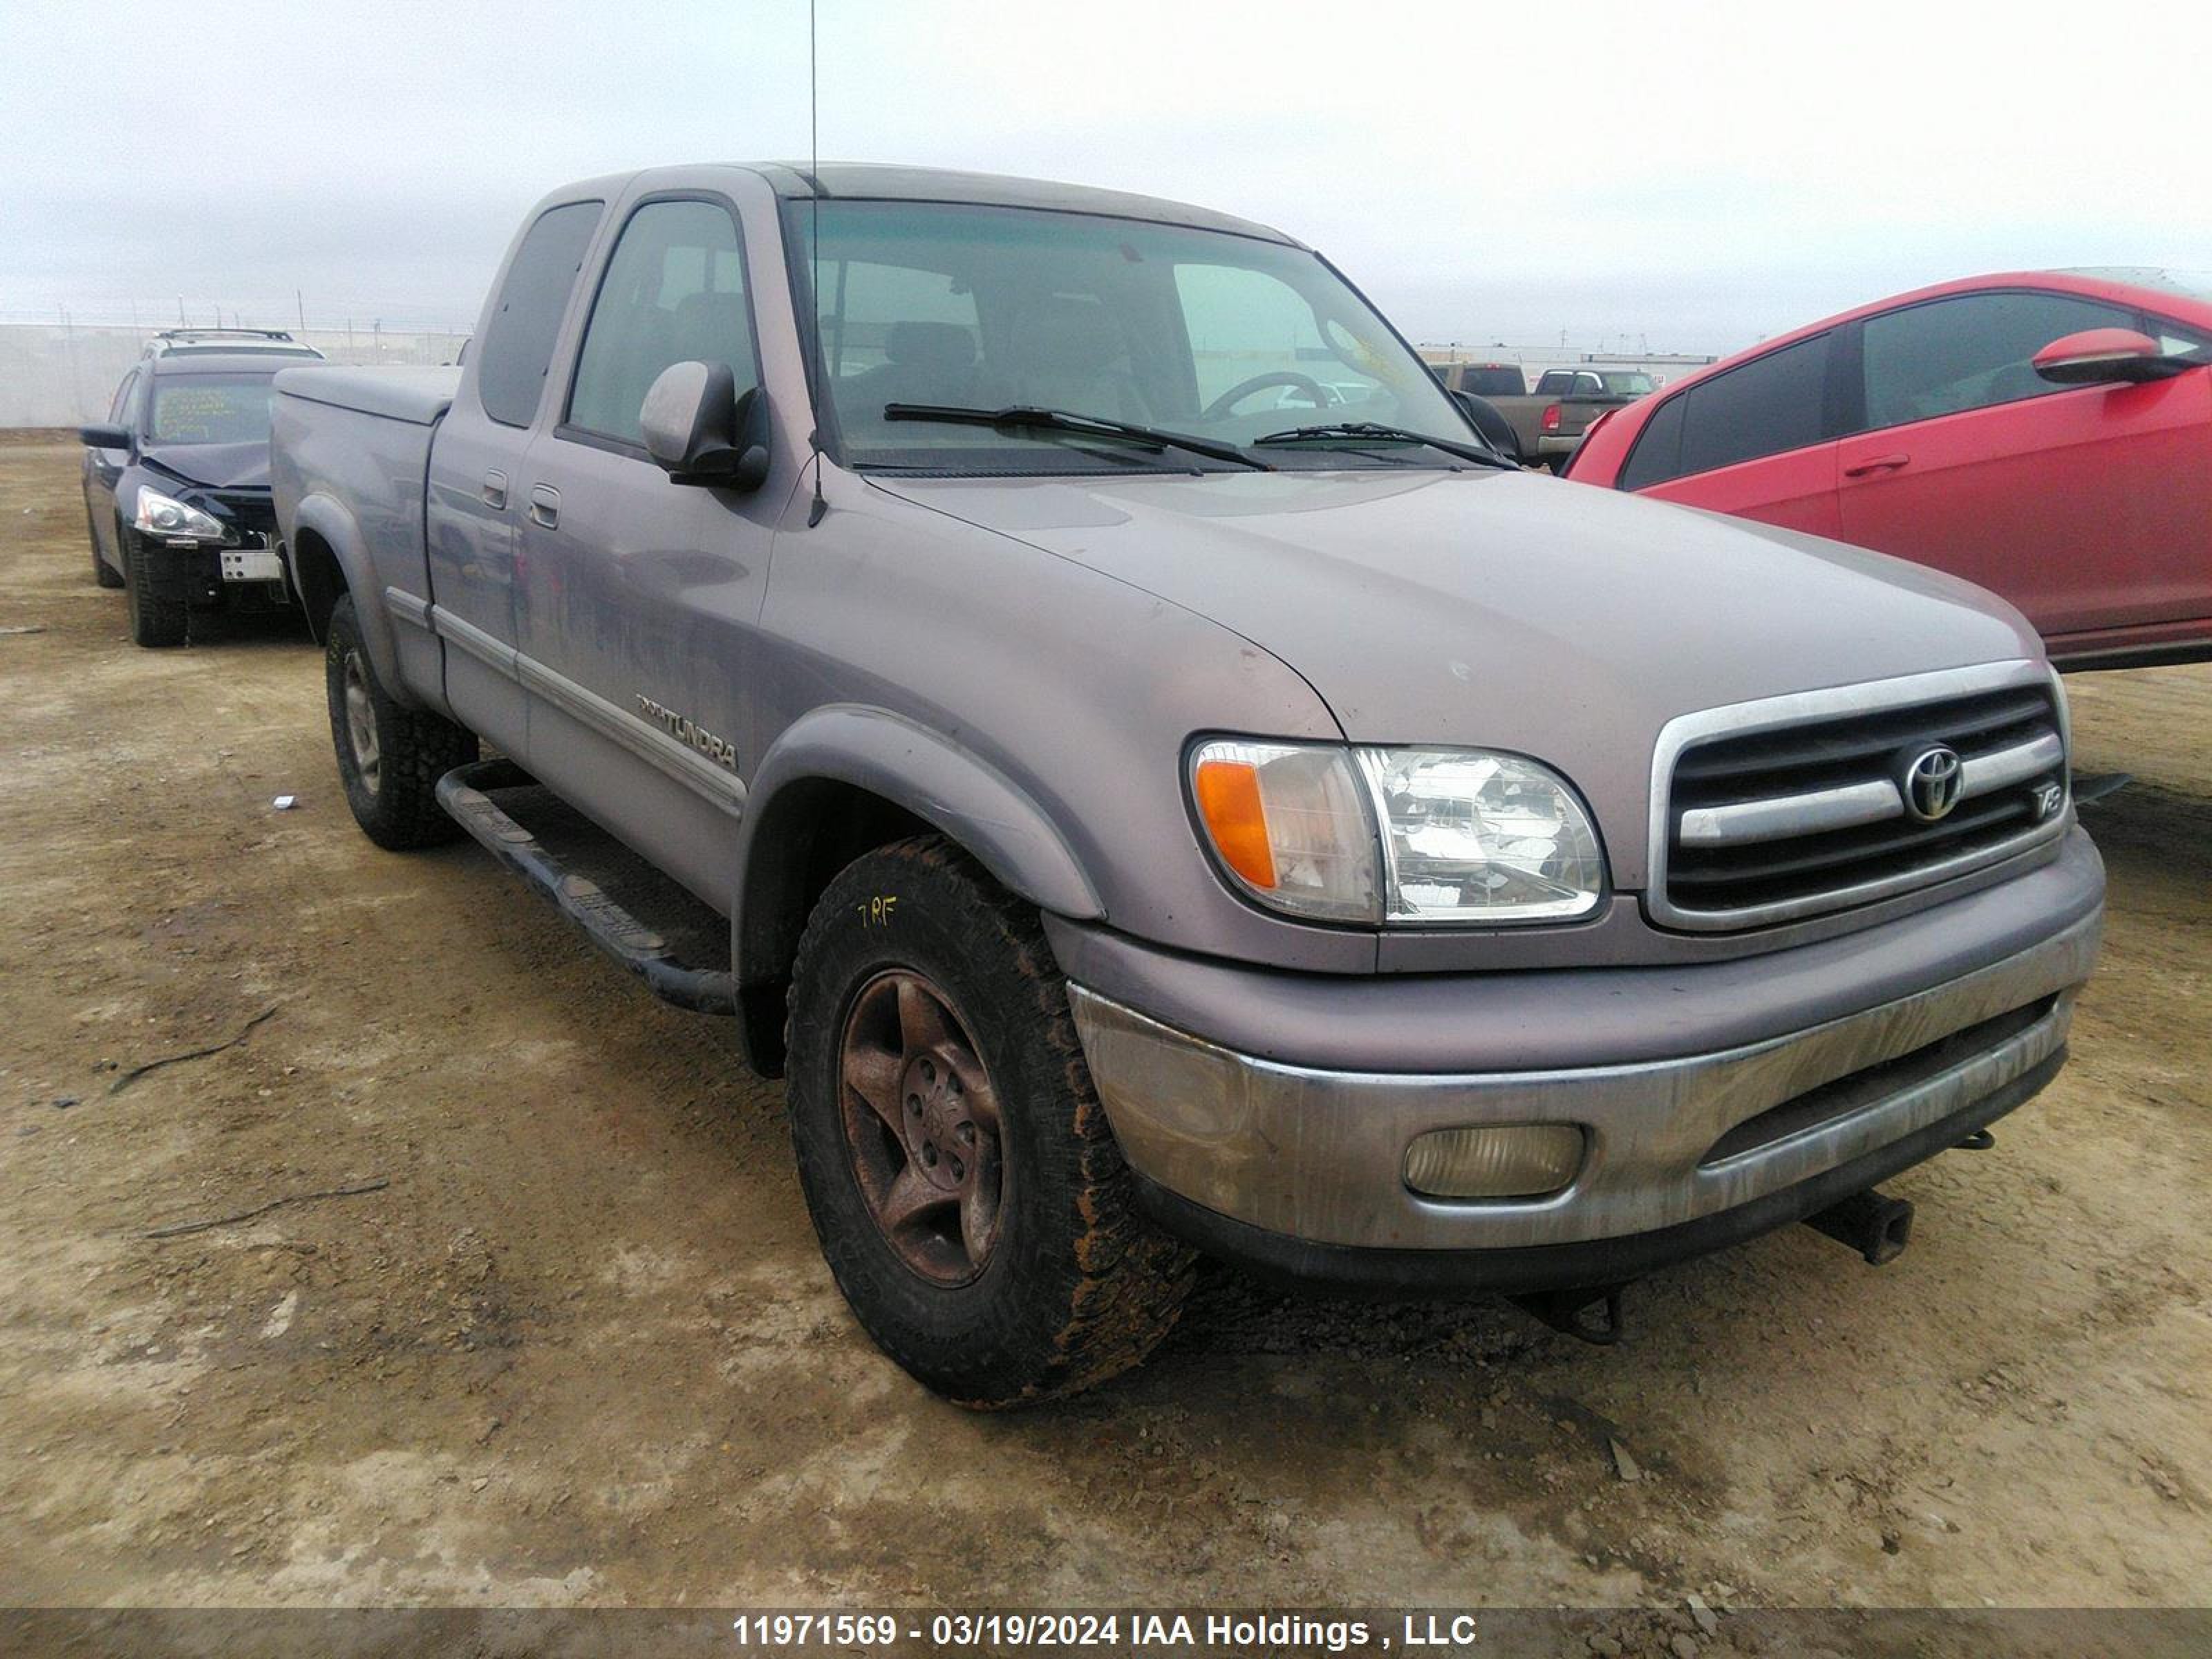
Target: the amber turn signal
pixel 1227 793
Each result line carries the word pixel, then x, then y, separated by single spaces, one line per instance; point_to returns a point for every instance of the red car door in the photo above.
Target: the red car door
pixel 1753 442
pixel 1795 489
pixel 2089 507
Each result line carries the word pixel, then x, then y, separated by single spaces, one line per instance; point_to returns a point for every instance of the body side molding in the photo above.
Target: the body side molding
pixel 648 741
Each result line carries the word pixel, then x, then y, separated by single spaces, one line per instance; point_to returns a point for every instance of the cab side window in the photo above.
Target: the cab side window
pixel 1969 352
pixel 674 292
pixel 517 341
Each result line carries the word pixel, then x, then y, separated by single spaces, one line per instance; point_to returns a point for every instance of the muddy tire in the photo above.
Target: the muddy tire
pixel 389 757
pixel 968 1195
pixel 103 572
pixel 154 622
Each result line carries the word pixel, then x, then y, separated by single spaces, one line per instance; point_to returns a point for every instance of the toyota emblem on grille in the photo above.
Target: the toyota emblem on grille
pixel 1932 780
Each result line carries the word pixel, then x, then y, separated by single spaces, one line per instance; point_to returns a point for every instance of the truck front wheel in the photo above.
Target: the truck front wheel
pixel 389 757
pixel 966 1190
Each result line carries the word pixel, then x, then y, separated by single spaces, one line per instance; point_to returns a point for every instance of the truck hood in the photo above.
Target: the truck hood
pixel 1506 609
pixel 218 466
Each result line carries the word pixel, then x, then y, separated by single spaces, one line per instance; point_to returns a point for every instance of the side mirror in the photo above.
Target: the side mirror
pixel 1489 424
pixel 2100 355
pixel 699 431
pixel 104 437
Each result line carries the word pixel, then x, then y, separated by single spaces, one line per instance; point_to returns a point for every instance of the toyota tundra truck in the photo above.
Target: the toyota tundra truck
pixel 946 624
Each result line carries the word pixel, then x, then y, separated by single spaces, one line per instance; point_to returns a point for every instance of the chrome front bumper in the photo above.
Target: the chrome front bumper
pixel 1318 1156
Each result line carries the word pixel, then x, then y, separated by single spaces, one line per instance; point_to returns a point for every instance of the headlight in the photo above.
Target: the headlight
pixel 1434 837
pixel 159 515
pixel 1478 837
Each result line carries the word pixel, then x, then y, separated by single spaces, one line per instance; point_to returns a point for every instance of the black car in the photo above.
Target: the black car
pixel 176 491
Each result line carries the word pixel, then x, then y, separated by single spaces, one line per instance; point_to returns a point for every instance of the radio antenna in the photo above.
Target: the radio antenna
pixel 814 253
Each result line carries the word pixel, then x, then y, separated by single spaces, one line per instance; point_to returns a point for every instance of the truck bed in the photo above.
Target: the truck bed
pixel 349 452
pixel 418 396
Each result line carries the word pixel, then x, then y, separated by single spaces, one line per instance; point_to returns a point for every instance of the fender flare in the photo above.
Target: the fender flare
pixel 330 519
pixel 917 769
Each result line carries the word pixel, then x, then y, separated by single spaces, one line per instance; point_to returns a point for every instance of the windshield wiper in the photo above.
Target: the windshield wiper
pixel 1061 420
pixel 1372 429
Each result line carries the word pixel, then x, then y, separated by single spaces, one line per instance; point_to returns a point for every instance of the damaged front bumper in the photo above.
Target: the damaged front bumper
pixel 1304 1168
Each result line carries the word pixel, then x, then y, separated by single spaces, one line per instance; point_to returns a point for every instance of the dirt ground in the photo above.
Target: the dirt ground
pixel 576 1345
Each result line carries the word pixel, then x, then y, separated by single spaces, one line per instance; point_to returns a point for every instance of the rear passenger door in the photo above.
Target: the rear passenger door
pixel 476 485
pixel 2087 507
pixel 1758 441
pixel 638 597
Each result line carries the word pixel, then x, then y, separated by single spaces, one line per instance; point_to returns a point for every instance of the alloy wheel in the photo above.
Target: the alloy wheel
pixel 361 723
pixel 922 1127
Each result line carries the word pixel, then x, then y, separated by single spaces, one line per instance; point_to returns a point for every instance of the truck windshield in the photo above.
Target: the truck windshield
pixel 1207 333
pixel 210 409
pixel 1626 383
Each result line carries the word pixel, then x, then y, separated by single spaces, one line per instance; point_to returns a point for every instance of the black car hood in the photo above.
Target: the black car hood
pixel 218 466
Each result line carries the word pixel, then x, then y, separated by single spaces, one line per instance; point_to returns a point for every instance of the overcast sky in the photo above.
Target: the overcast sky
pixel 1695 175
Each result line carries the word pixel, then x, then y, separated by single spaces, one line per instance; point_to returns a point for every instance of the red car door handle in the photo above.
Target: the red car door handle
pixel 1876 464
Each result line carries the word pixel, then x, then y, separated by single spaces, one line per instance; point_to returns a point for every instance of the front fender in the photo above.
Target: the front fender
pixel 332 523
pixel 919 770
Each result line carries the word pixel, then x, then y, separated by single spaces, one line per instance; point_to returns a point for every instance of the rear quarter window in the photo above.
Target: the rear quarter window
pixel 1773 404
pixel 1769 404
pixel 518 340
pixel 1657 455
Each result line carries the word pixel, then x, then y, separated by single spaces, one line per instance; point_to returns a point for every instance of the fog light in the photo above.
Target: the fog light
pixel 1514 1160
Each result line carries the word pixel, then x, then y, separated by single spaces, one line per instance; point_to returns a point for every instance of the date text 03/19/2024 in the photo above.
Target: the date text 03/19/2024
pixel 1153 1631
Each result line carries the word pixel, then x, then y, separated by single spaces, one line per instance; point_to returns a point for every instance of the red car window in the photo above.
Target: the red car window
pixel 1769 404
pixel 1969 352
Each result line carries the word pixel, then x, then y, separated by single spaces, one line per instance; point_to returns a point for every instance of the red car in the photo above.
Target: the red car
pixel 2047 434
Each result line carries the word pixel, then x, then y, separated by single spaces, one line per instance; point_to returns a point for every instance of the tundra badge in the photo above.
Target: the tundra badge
pixel 720 751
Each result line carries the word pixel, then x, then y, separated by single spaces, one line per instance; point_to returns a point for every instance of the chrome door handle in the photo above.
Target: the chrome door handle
pixel 1877 464
pixel 544 505
pixel 495 490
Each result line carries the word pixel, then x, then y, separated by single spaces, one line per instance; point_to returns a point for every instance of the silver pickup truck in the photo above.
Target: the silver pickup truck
pixel 936 621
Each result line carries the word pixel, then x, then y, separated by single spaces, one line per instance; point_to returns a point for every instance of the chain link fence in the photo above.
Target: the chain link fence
pixel 63 373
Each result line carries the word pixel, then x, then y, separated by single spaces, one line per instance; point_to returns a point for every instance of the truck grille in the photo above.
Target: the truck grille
pixel 1773 820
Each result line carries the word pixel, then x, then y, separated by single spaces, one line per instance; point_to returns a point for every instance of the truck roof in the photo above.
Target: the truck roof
pixel 876 181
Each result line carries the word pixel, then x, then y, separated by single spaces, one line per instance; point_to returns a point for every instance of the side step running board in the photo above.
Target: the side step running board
pixel 461 792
